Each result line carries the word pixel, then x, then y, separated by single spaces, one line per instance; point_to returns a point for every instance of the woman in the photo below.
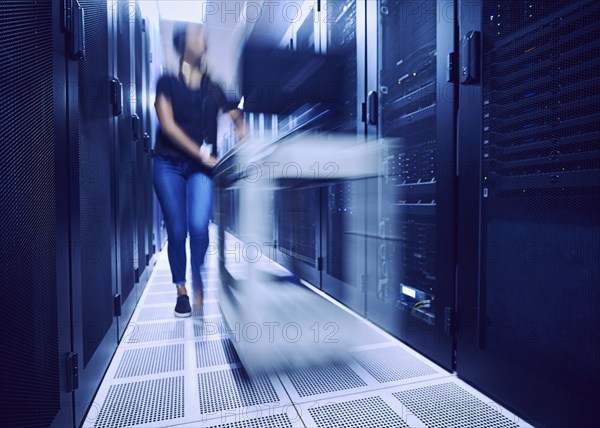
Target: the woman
pixel 187 106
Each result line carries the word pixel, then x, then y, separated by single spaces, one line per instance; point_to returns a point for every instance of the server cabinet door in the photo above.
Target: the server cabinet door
pixel 231 201
pixel 344 243
pixel 142 176
pixel 297 217
pixel 297 220
pixel 344 204
pixel 530 198
pixel 127 250
pixel 35 323
pixel 412 241
pixel 152 230
pixel 148 138
pixel 93 258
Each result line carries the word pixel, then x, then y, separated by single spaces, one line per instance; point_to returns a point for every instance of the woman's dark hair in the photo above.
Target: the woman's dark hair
pixel 179 35
pixel 179 39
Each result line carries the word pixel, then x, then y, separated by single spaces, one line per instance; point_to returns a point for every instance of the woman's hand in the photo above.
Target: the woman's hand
pixel 206 158
pixel 211 162
pixel 241 127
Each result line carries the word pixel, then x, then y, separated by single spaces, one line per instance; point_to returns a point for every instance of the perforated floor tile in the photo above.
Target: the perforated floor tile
pixel 232 389
pixel 153 360
pixel 201 382
pixel 282 417
pixel 209 328
pixel 136 403
pixel 160 298
pixel 162 287
pixel 274 421
pixel 208 309
pixel 323 379
pixel 215 353
pixel 139 333
pixel 371 412
pixel 448 405
pixel 211 293
pixel 156 313
pixel 391 364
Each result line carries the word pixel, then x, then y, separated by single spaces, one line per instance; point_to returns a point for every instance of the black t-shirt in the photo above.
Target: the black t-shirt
pixel 194 110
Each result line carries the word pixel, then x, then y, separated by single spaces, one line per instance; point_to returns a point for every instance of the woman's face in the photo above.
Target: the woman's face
pixel 195 43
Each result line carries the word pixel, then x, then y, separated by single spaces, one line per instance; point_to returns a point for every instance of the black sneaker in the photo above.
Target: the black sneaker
pixel 183 308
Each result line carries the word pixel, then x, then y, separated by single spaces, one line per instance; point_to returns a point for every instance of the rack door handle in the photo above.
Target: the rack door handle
pixel 470 57
pixel 116 96
pixel 373 108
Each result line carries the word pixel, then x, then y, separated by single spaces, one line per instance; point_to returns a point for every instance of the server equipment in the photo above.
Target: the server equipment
pixel 478 245
pixel 91 193
pixel 344 204
pixel 341 30
pixel 530 199
pixel 144 218
pixel 125 166
pixel 147 118
pixel 34 312
pixel 60 317
pixel 411 292
pixel 141 255
pixel 298 229
pixel 295 219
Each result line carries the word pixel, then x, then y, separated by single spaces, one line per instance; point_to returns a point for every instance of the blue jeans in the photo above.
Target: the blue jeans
pixel 185 194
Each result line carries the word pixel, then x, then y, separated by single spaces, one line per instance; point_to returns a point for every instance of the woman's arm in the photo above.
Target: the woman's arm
pixel 164 110
pixel 240 124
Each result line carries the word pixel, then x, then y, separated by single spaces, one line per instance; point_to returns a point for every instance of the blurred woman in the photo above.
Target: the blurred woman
pixel 187 106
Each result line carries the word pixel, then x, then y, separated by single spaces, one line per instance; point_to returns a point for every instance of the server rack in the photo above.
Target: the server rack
pixel 34 313
pixel 267 123
pixel 125 166
pixel 297 217
pixel 298 230
pixel 330 243
pixel 224 212
pixel 152 64
pixel 137 120
pixel 142 177
pixel 530 197
pixel 343 25
pixel 147 142
pixel 93 250
pixel 343 204
pixel 411 244
pixel 59 197
pixel 344 208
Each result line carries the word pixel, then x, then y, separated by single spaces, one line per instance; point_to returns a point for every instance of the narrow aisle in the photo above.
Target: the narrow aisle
pixel 186 372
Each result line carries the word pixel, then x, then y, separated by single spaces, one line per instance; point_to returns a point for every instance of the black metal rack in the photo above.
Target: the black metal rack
pixel 532 208
pixel 408 79
pixel 539 115
pixel 342 39
pixel 411 285
pixel 298 224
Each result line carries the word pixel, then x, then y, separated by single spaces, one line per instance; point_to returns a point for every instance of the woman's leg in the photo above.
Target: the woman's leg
pixel 199 194
pixel 170 187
